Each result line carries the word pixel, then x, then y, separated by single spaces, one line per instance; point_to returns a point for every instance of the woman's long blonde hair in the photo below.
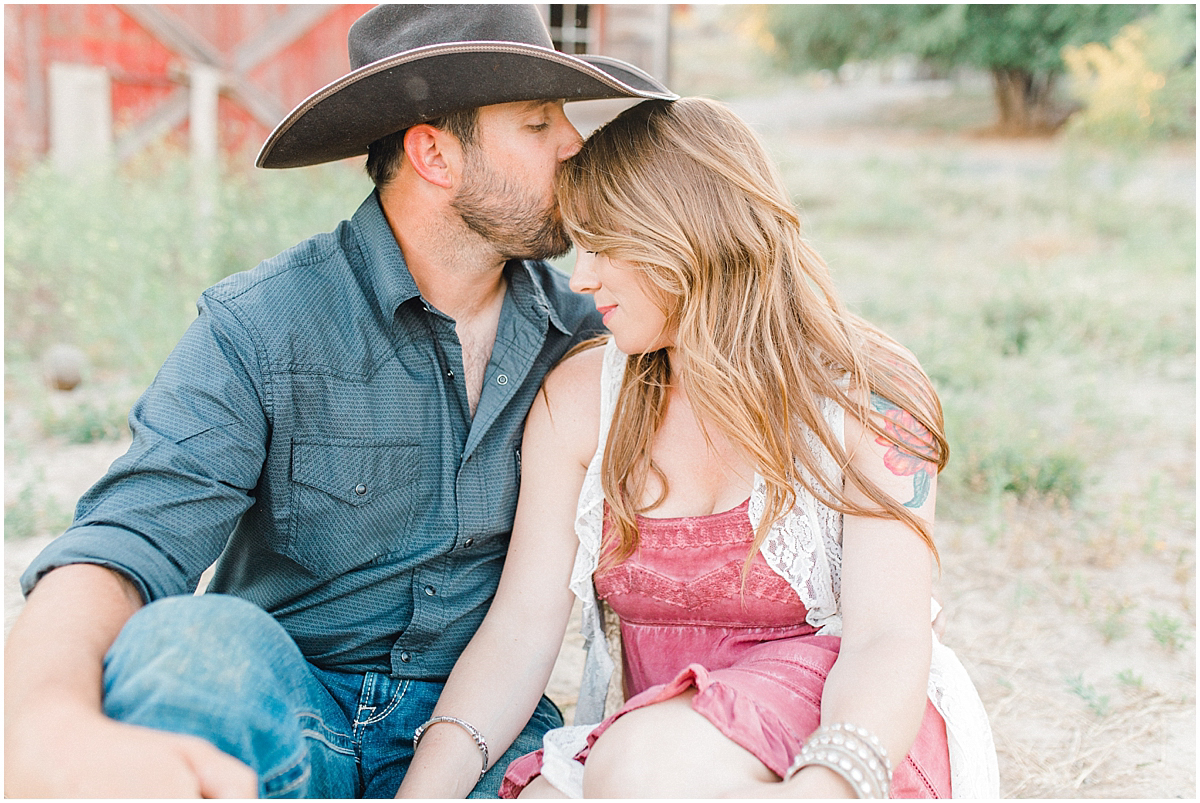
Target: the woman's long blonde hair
pixel 685 191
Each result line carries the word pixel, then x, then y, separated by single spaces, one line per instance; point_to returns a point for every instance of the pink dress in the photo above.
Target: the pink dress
pixel 755 662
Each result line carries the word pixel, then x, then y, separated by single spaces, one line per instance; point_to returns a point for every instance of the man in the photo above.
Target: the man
pixel 340 426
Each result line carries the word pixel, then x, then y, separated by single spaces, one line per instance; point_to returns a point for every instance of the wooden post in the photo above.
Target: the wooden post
pixel 80 116
pixel 204 90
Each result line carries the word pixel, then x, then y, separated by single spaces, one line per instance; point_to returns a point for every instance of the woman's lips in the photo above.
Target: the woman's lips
pixel 605 312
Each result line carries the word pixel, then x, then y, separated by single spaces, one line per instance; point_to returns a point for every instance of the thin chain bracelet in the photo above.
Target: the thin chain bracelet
pixel 480 742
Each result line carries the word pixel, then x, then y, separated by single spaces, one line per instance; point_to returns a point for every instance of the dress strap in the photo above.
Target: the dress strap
pixel 589 522
pixel 611 376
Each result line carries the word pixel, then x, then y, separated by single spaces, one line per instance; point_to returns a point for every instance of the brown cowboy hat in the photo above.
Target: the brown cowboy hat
pixel 413 63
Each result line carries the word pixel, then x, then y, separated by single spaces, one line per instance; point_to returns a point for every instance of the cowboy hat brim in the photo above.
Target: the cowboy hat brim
pixel 392 94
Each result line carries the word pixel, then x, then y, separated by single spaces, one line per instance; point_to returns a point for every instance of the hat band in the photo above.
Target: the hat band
pixel 463 47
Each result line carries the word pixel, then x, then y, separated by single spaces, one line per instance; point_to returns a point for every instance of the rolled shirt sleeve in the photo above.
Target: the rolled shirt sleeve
pixel 165 509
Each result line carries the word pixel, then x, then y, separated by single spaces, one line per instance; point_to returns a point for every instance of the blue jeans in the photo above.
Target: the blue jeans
pixel 221 668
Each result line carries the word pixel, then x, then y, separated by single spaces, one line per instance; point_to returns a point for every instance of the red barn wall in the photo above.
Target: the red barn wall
pixel 144 71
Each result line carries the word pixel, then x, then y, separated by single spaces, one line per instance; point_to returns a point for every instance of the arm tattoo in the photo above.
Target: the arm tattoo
pixel 914 457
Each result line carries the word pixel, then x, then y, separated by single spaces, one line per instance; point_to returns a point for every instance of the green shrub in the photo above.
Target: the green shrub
pixel 1168 631
pixel 34 513
pixel 1016 321
pixel 1097 703
pixel 1025 469
pixel 87 422
pixel 114 260
pixel 1142 85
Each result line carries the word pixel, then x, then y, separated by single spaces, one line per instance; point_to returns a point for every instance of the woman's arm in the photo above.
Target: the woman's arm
pixel 879 680
pixel 498 680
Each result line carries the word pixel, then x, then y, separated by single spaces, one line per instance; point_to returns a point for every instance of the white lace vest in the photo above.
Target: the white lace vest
pixel 805 548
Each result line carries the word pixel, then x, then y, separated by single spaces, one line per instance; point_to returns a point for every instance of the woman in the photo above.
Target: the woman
pixel 746 472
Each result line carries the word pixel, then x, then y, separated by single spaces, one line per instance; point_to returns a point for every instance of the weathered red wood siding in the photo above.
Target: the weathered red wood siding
pixel 144 71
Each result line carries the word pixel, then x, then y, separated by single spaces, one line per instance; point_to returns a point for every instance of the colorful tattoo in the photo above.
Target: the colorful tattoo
pixel 915 440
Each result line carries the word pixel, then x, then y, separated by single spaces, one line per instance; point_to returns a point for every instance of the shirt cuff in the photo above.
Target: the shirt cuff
pixel 150 571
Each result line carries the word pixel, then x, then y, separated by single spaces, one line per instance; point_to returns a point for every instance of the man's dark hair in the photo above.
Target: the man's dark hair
pixel 385 153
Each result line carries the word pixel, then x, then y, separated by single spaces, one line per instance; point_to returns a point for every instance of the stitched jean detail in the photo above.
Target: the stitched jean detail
pixel 291 780
pixel 222 669
pixel 397 696
pixel 312 726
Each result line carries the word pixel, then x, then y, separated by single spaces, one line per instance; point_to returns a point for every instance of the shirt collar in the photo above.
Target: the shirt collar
pixel 525 283
pixel 394 284
pixel 386 269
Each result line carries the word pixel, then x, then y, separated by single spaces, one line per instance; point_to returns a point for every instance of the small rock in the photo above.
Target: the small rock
pixel 63 366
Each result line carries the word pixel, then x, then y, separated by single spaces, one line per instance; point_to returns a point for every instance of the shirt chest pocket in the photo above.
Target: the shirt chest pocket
pixel 351 502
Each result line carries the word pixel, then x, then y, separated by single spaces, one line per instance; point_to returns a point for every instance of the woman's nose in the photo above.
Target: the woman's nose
pixel 583 279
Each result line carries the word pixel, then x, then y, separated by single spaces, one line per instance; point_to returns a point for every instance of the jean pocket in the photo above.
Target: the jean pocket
pixel 352 501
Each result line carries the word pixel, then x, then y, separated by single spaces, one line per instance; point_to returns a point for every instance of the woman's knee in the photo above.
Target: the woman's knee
pixel 668 749
pixel 630 758
pixel 540 789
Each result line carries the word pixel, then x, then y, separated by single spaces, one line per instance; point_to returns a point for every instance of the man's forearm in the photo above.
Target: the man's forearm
pixel 69 621
pixel 55 652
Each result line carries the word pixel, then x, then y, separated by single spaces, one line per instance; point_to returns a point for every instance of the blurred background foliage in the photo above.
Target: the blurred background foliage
pixel 1139 85
pixel 113 260
pixel 1019 283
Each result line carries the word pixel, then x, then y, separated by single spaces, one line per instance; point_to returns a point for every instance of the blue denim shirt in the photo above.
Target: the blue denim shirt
pixel 311 430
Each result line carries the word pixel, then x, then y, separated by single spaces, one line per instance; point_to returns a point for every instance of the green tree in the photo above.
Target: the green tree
pixel 1020 45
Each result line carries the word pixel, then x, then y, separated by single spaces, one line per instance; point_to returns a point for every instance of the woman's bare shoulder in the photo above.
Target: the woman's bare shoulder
pixel 582 368
pixel 569 402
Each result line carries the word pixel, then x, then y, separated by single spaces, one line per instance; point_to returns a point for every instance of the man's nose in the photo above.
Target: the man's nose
pixel 572 141
pixel 573 146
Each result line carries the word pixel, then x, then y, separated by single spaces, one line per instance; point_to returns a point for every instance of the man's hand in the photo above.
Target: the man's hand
pixel 89 755
pixel 57 740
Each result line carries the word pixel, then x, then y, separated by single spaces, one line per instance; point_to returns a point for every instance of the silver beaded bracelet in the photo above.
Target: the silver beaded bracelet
pixel 852 752
pixel 480 742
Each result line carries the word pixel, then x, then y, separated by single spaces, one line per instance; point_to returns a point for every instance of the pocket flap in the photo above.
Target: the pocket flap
pixel 355 473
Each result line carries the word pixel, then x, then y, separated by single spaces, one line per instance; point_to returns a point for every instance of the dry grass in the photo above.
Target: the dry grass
pixel 1078 708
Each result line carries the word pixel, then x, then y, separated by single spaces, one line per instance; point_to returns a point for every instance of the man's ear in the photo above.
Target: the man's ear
pixel 434 154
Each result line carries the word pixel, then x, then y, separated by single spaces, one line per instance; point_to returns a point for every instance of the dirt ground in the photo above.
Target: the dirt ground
pixel 1087 697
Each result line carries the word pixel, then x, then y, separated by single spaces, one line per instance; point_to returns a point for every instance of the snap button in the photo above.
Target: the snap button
pixel 468 542
pixel 502 380
pixel 360 489
pixel 449 374
pixel 405 657
pixel 430 591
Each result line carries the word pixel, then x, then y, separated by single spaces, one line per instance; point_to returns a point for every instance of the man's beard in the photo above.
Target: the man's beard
pixel 509 218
